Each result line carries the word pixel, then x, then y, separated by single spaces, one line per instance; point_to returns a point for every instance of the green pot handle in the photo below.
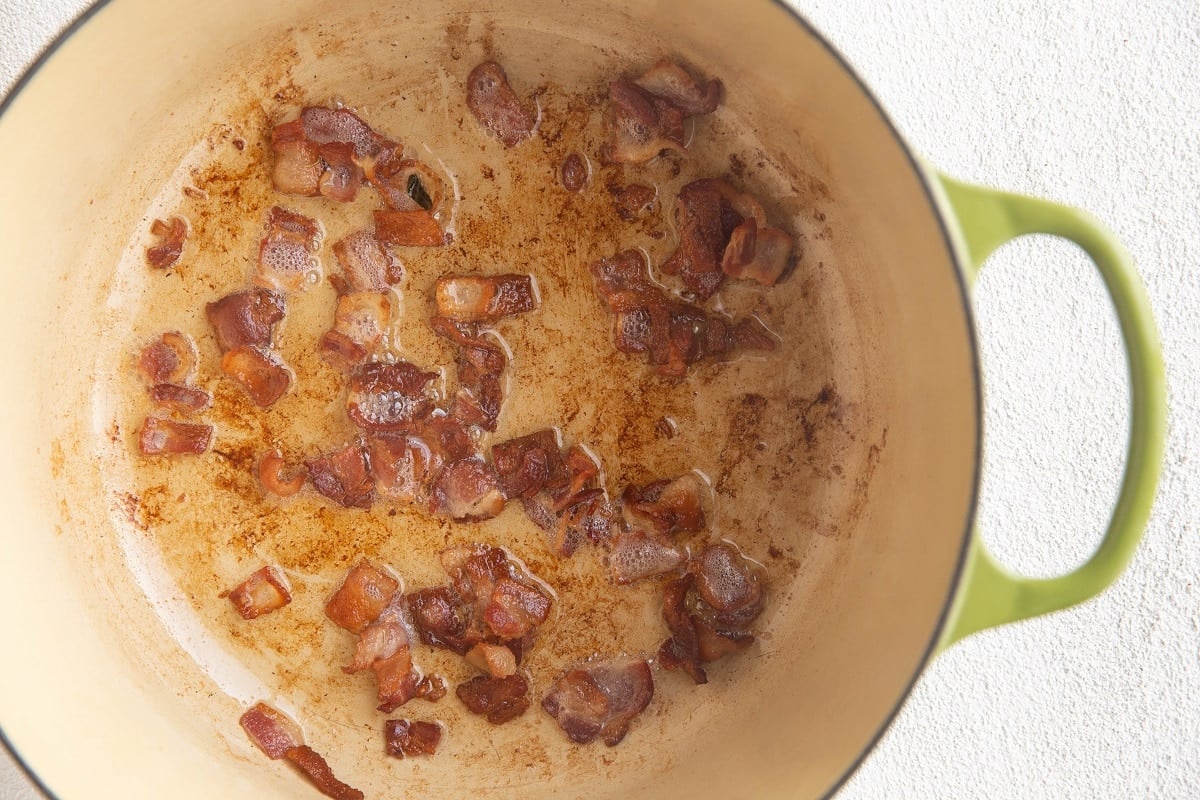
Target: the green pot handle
pixel 990 595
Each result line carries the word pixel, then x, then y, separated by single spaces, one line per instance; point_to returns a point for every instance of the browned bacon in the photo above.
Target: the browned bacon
pixel 266 590
pixel 317 770
pixel 406 184
pixel 362 597
pixel 497 107
pixel 442 619
pixel 672 333
pixel 500 700
pixel 185 400
pixel 484 298
pixel 324 152
pixel 271 473
pixel 666 506
pixel 634 201
pixel 343 175
pixel 643 125
pixel 467 490
pixel 389 396
pixel 259 372
pixel 480 366
pixel 171 358
pixel 297 166
pixel 366 264
pixel 410 228
pixel 637 554
pixel 271 730
pixel 494 659
pixel 245 318
pixel 527 464
pixel 759 254
pixel 600 699
pixel 171 235
pixel 161 436
pixel 404 467
pixel 515 609
pixel 343 476
pixel 673 83
pixel 732 587
pixel 359 324
pixel 573 173
pixel 286 253
pixel 404 738
pixel 325 125
pixel 682 649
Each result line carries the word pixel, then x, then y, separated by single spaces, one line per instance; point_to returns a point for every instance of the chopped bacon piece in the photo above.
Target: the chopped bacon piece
pixel 682 649
pixel 271 730
pixel 730 584
pixel 705 221
pixel 366 264
pixel 673 83
pixel 672 333
pixel 285 254
pixel 318 772
pixel 499 699
pixel 359 323
pixel 480 366
pixel 404 738
pixel 245 318
pixel 166 437
pixel 432 688
pixel 527 464
pixel 324 125
pixel 666 506
pixel 406 184
pixel 467 490
pixel 404 467
pixel 440 618
pixel 396 679
pixel 494 659
pixel 633 201
pixel 480 298
pixel 600 699
pixel 573 173
pixel 318 153
pixel 713 644
pixel 362 597
pixel 298 168
pixel 497 107
pixel 759 254
pixel 260 373
pixel 410 228
pixel 342 176
pixel 643 125
pixel 171 358
pixel 181 399
pixel 589 517
pixel 343 476
pixel 515 609
pixel 388 396
pixel 637 554
pixel 382 638
pixel 271 474
pixel 172 235
pixel 263 592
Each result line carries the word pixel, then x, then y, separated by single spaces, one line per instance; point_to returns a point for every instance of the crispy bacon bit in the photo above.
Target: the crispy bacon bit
pixel 407 184
pixel 359 323
pixel 389 396
pixel 479 298
pixel 672 333
pixel 180 399
pixel 380 640
pixel 260 373
pixel 169 359
pixel 759 254
pixel 343 476
pixel 682 649
pixel 245 318
pixel 396 679
pixel 404 738
pixel 633 201
pixel 705 220
pixel 362 597
pixel 324 125
pixel 600 699
pixel 494 659
pixel 467 490
pixel 318 772
pixel 666 506
pixel 271 469
pixel 637 554
pixel 480 365
pixel 414 228
pixel 271 730
pixel 432 688
pixel 731 585
pixel 404 467
pixel 366 264
pixel 285 254
pixel 166 437
pixel 263 592
pixel 171 235
pixel 573 173
pixel 525 465
pixel 571 508
pixel 320 153
pixel 673 83
pixel 499 699
pixel 643 125
pixel 441 619
pixel 297 167
pixel 497 107
pixel 515 609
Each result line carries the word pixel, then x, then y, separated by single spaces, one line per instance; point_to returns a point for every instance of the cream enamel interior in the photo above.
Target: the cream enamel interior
pixel 97 693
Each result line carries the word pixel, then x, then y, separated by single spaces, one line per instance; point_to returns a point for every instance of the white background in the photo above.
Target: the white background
pixel 1095 103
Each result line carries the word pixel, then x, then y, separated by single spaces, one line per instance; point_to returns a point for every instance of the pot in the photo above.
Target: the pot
pixel 126 679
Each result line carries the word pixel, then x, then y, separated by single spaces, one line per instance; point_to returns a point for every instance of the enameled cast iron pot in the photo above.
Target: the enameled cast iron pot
pixel 99 698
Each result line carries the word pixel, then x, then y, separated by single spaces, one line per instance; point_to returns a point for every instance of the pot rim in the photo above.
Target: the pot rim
pixel 944 217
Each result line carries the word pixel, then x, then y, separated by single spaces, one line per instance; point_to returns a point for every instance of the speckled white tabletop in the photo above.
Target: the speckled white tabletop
pixel 1095 103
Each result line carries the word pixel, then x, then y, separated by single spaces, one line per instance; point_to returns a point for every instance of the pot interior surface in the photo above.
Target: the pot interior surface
pixel 844 461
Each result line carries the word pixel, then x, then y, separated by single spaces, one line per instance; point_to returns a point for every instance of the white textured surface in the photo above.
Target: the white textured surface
pixel 1096 104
